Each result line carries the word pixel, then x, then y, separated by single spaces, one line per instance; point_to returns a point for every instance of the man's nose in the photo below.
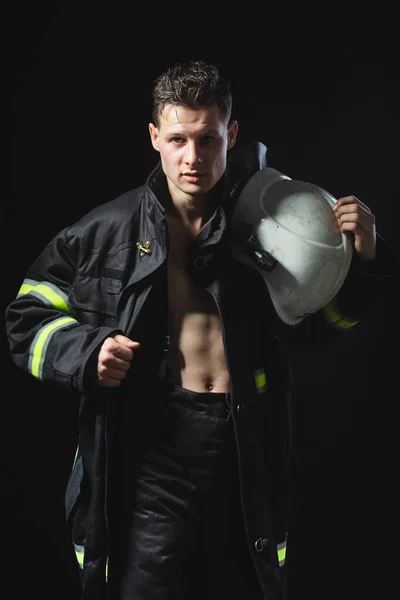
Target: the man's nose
pixel 193 157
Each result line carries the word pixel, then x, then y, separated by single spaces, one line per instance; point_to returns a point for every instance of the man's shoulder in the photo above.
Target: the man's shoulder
pixel 129 200
pixel 122 206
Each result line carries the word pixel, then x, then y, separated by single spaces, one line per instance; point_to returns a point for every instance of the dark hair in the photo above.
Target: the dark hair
pixel 194 84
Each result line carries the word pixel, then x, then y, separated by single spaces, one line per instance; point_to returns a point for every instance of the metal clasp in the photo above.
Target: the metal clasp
pixel 260 543
pixel 143 249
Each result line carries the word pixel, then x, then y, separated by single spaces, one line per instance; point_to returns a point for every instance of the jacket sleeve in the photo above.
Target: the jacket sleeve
pixel 365 284
pixel 45 337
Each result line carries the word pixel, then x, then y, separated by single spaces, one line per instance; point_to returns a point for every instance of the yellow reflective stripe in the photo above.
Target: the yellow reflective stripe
pixel 41 341
pixel 80 554
pixel 80 557
pixel 281 553
pixel 261 380
pixel 47 292
pixel 335 318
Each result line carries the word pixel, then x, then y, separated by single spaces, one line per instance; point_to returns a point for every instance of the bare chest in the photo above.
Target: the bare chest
pixel 196 358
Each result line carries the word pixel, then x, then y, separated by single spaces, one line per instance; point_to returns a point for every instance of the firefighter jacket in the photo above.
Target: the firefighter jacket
pixel 106 274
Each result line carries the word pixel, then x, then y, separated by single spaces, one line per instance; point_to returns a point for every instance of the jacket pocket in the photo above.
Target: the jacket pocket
pixel 95 299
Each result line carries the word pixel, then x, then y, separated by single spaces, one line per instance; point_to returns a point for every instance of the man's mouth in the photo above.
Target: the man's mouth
pixel 192 175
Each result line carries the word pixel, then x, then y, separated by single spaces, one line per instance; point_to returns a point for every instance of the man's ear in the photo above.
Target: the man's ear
pixel 232 133
pixel 153 130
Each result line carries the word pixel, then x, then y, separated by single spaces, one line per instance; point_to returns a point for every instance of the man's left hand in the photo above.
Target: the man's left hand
pixel 355 217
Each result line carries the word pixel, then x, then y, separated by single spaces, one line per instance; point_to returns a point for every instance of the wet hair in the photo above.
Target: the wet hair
pixel 193 84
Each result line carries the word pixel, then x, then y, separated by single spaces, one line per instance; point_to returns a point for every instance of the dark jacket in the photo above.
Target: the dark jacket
pixel 106 274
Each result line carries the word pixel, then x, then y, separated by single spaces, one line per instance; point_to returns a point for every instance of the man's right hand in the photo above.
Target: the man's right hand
pixel 114 360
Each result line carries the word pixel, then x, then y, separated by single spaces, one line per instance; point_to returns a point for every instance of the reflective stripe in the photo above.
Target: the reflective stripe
pixel 46 292
pixel 76 456
pixel 80 557
pixel 41 341
pixel 81 403
pixel 261 380
pixel 335 318
pixel 281 553
pixel 80 554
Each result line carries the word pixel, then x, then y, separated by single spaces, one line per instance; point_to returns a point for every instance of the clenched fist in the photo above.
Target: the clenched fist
pixel 114 360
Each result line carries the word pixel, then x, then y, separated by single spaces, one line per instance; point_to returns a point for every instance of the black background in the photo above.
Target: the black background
pixel 321 90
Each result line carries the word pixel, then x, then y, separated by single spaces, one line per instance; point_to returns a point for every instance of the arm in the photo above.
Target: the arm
pixel 45 335
pixel 374 270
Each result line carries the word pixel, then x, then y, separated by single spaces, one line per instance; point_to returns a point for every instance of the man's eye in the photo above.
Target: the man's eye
pixel 208 139
pixel 177 140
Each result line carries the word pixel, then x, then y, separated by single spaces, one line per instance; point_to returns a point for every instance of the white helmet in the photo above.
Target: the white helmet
pixel 287 230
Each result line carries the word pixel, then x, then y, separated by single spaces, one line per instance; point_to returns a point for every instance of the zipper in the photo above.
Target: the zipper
pixel 105 499
pixel 216 299
pixel 106 476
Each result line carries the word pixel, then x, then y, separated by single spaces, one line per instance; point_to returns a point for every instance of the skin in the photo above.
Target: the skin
pixel 357 219
pixel 193 147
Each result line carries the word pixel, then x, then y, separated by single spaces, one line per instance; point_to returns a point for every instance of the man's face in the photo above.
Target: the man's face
pixel 193 148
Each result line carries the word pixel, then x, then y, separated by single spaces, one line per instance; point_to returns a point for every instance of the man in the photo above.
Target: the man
pixel 181 483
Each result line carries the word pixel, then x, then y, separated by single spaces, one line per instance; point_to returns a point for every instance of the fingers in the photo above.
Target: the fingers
pixel 125 341
pixel 352 214
pixel 114 360
pixel 346 200
pixel 114 351
pixel 110 377
pixel 355 217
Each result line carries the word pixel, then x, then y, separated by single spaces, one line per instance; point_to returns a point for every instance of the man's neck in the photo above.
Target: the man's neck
pixel 191 217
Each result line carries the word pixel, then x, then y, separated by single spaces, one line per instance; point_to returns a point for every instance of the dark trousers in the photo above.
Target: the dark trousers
pixel 178 531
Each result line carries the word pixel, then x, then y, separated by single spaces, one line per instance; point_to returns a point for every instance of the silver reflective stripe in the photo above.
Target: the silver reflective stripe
pixel 261 380
pixel 40 343
pixel 281 548
pixel 46 292
pixel 335 318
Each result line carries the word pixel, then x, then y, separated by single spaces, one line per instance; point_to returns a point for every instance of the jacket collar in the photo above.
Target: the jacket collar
pixel 243 162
